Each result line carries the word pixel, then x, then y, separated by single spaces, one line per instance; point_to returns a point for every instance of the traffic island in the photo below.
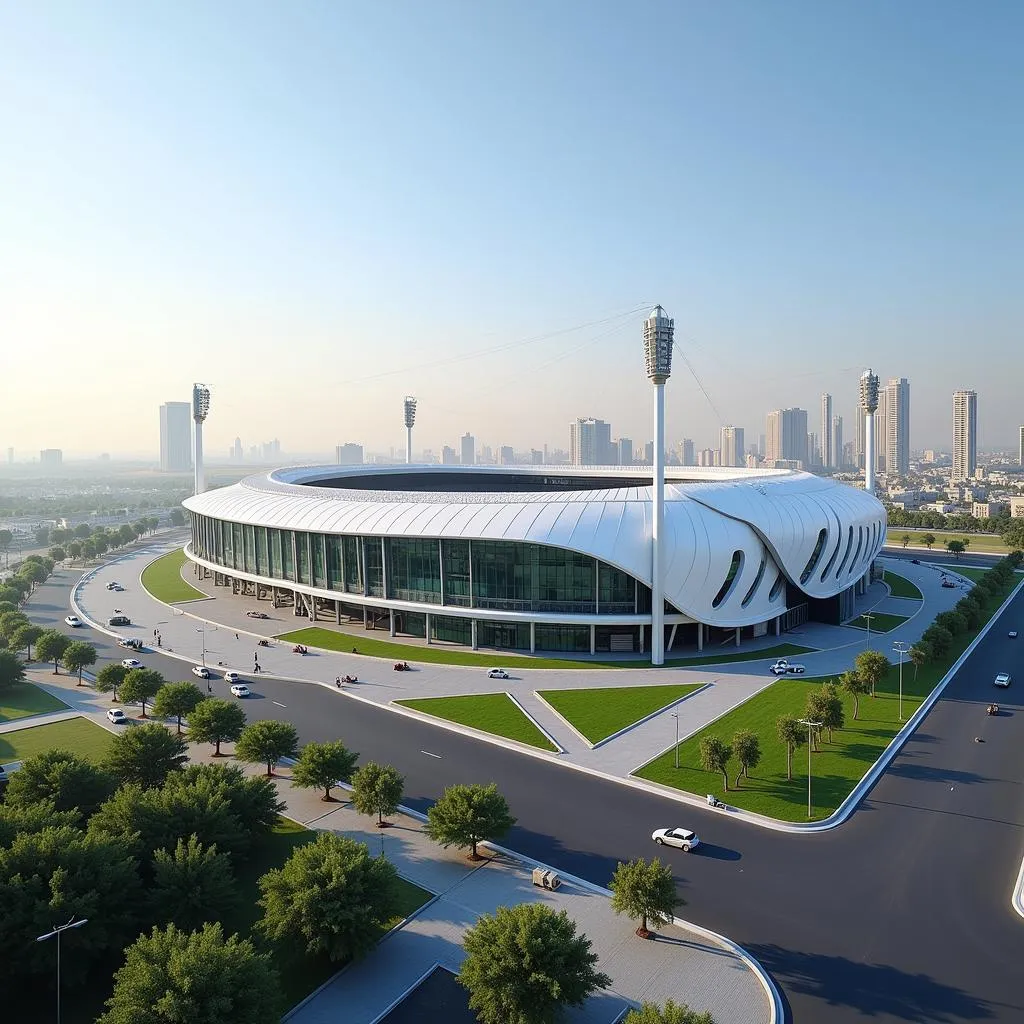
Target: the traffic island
pixel 494 713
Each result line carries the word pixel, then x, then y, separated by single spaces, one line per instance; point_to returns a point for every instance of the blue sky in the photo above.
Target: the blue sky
pixel 315 208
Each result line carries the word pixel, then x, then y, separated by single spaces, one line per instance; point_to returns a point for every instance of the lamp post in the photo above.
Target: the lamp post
pixel 200 410
pixel 900 646
pixel 869 406
pixel 676 717
pixel 49 935
pixel 409 411
pixel 867 617
pixel 810 727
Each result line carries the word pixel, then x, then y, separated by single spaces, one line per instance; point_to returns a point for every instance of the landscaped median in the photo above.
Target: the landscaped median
pixel 837 766
pixel 899 586
pixel 162 578
pixel 495 713
pixel 85 738
pixel 880 622
pixel 22 700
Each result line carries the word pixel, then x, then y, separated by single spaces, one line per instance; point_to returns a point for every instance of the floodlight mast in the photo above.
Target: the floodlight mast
pixel 869 405
pixel 409 407
pixel 200 410
pixel 659 329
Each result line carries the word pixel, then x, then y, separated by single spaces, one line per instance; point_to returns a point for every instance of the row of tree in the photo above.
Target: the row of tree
pixel 17 587
pixel 927 519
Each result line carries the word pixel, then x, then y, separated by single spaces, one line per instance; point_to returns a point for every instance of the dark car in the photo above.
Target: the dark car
pixel 915 561
pixel 119 620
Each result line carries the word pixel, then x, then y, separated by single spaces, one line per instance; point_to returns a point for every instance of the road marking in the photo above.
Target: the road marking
pixel 429 754
pixel 278 703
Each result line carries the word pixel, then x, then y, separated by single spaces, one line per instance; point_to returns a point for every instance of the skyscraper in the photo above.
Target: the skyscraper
pixel 625 451
pixel 732 446
pixel 897 426
pixel 965 435
pixel 349 454
pixel 828 453
pixel 468 450
pixel 176 437
pixel 590 442
pixel 1020 457
pixel 506 455
pixel 52 458
pixel 686 453
pixel 786 436
pixel 836 435
pixel 881 431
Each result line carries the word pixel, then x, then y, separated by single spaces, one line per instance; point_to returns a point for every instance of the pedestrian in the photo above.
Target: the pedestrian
pixel 236 636
pixel 209 688
pixel 154 634
pixel 257 666
pixel 337 682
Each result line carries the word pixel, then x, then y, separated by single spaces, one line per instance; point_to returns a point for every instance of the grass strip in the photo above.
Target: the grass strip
pixel 881 622
pixel 22 700
pixel 602 711
pixel 900 586
pixel 78 735
pixel 495 713
pixel 162 578
pixel 974 541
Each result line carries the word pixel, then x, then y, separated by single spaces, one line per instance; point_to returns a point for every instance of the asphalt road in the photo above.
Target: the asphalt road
pixel 902 914
pixel 975 559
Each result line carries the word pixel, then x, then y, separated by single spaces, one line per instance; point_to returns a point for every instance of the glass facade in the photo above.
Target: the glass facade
pixel 414 570
pixel 562 638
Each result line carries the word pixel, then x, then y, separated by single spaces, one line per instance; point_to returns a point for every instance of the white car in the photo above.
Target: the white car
pixel 1003 680
pixel 135 645
pixel 116 716
pixel 1013 634
pixel 72 620
pixel 131 663
pixel 239 690
pixel 497 673
pixel 231 676
pixel 112 584
pixel 202 671
pixel 681 837
pixel 117 588
pixel 785 668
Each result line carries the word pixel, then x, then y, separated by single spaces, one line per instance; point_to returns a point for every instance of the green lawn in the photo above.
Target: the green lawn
pixel 901 587
pixel 881 622
pixel 974 541
pixel 971 572
pixel 600 712
pixel 495 713
pixel 162 579
pixel 76 734
pixel 366 643
pixel 23 700
pixel 836 768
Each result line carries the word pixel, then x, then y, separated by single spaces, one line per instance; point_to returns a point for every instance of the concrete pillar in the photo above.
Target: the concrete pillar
pixel 778 625
pixel 700 636
pixel 672 636
pixel 533 637
pixel 641 638
pixel 391 620
pixel 737 636
pixel 364 617
pixel 312 609
pixel 472 634
pixel 337 613
pixel 426 629
pixel 295 603
pixel 593 639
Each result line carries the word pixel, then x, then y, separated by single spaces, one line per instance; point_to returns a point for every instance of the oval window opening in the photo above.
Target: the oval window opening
pixel 749 596
pixel 730 580
pixel 776 587
pixel 846 555
pixel 812 562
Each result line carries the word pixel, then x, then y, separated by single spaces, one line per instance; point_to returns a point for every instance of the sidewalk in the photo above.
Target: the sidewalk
pixel 682 964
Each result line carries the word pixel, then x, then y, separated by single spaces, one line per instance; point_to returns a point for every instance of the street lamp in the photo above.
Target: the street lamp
pixel 676 717
pixel 900 646
pixel 810 726
pixel 49 935
pixel 867 617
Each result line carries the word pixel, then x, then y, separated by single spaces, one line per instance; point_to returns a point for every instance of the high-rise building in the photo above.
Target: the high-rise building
pixel 649 453
pixel 536 457
pixel 624 449
pixel 965 435
pixel 349 454
pixel 813 451
pixel 686 454
pixel 786 436
pixel 449 457
pixel 732 446
pixel 828 453
pixel 590 442
pixel 176 437
pixel 881 431
pixel 836 443
pixel 468 450
pixel 506 455
pixel 897 426
pixel 1020 457
pixel 52 458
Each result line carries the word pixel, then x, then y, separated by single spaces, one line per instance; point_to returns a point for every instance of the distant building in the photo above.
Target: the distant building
pixel 53 458
pixel 965 435
pixel 813 450
pixel 896 438
pixel 836 447
pixel 732 446
pixel 786 436
pixel 349 454
pixel 506 456
pixel 988 509
pixel 649 453
pixel 1020 457
pixel 624 447
pixel 686 453
pixel 590 442
pixel 272 450
pixel 236 450
pixel 1017 508
pixel 536 457
pixel 468 450
pixel 449 457
pixel 176 437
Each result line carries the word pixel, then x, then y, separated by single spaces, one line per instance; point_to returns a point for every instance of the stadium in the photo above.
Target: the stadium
pixel 541 558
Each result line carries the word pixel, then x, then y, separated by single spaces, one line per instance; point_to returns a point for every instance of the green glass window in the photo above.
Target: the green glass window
pixel 238 545
pixel 262 561
pixel 414 570
pixel 287 556
pixel 616 591
pixel 228 542
pixel 507 636
pixel 353 563
pixel 411 623
pixel 563 638
pixel 735 566
pixel 319 559
pixel 249 541
pixel 501 575
pixel 564 580
pixel 816 554
pixel 276 569
pixel 452 629
pixel 455 556
pixel 302 556
pixel 334 577
pixel 374 566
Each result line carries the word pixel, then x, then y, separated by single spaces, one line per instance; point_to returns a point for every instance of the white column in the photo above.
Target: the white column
pixel 593 639
pixel 657 586
pixel 533 637
pixel 408 445
pixel 778 625
pixel 737 636
pixel 700 636
pixel 426 630
pixel 472 634
pixel 869 452
pixel 200 481
pixel 391 620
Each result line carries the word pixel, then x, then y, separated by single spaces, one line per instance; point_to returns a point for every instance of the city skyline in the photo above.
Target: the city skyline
pixel 165 222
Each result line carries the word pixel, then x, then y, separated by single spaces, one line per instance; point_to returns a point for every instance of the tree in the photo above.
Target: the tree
pixel 34 572
pixel 644 891
pixel 50 646
pixel 12 670
pixel 827 708
pixel 170 976
pixel 110 677
pixel 905 539
pixel 920 654
pixel 377 789
pixel 853 683
pixel 177 517
pixel 192 885
pixel 323 766
pixel 65 780
pixel 872 667
pixel 5 545
pixel 42 536
pixel 252 799
pixel 714 757
pixel 524 963
pixel 1013 535
pixel 331 896
pixel 24 637
pixel 670 1013
pixel 11 622
pixel 140 686
pixel 79 655
pixel 266 742
pixel 928 540
pixel 468 815
pixel 216 721
pixel 146 755
pixel 790 732
pixel 939 639
pixel 75 549
pixel 177 700
pixel 33 818
pixel 747 750
pixel 58 554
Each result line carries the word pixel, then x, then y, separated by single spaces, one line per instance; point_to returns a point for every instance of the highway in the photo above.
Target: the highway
pixel 902 914
pixel 972 559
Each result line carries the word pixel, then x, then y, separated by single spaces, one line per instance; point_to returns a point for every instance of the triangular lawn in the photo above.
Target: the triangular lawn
pixel 491 712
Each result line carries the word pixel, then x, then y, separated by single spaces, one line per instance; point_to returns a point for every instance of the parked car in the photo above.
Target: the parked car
pixel 1003 680
pixel 915 561
pixel 497 673
pixel 949 584
pixel 683 838
pixel 202 671
pixel 786 668
pixel 116 716
pixel 239 690
pixel 131 663
pixel 117 588
pixel 119 620
pixel 1012 634
pixel 73 620
pixel 131 643
pixel 112 584
pixel 231 676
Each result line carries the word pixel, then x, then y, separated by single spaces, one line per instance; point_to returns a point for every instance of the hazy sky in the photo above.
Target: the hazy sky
pixel 316 208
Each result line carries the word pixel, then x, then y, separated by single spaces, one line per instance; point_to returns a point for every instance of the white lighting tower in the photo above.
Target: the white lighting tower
pixel 200 410
pixel 869 406
pixel 658 331
pixel 409 405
